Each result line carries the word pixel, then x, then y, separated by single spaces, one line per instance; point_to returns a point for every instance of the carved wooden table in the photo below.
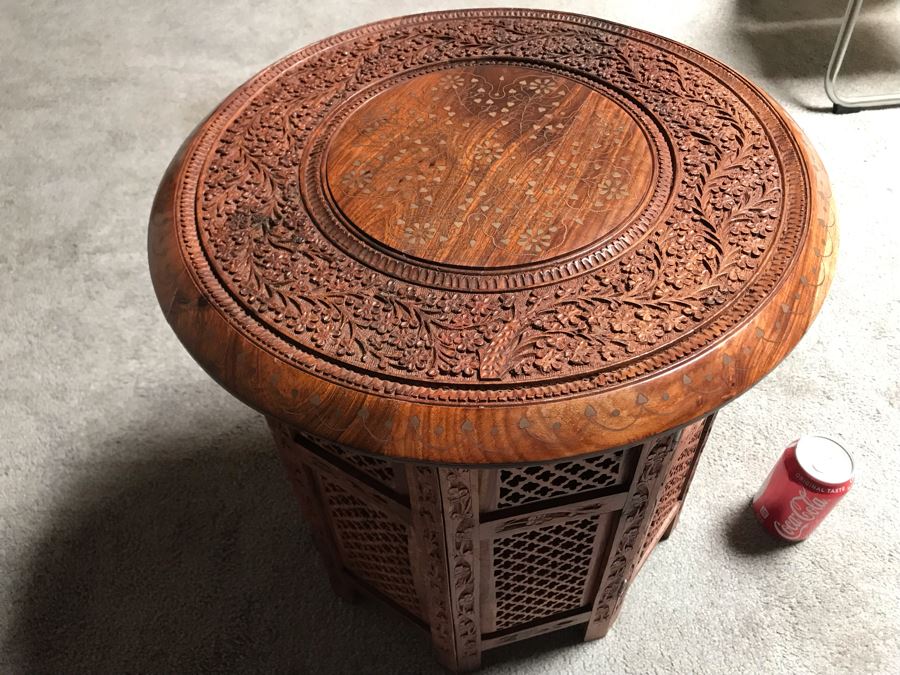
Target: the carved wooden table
pixel 489 274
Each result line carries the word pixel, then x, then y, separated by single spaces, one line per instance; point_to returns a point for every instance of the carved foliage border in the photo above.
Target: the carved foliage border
pixel 429 529
pixel 538 519
pixel 460 523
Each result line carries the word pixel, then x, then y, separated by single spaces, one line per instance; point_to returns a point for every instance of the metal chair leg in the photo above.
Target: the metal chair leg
pixel 843 105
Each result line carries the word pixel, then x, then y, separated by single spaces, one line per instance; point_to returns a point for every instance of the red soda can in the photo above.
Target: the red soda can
pixel 807 482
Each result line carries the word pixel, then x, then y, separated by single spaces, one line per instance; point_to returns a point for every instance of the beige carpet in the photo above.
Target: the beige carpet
pixel 144 523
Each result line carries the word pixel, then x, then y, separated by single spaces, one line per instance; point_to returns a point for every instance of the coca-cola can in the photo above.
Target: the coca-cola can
pixel 809 479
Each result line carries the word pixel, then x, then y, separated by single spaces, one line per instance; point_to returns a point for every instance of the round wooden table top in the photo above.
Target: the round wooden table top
pixel 492 236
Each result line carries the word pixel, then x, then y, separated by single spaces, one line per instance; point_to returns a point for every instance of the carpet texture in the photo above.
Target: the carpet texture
pixel 144 523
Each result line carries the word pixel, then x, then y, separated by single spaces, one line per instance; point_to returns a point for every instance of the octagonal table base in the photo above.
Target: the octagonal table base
pixel 482 557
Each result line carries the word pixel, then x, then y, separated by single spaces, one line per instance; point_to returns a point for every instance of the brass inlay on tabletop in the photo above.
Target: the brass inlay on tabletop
pixel 508 163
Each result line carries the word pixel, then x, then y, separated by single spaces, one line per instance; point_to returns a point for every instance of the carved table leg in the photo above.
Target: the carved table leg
pixel 304 486
pixel 672 524
pixel 633 526
pixel 691 443
pixel 444 512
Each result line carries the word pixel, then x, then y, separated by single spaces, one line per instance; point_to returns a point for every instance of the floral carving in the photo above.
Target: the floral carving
pixel 634 522
pixel 613 187
pixel 712 249
pixel 429 529
pixel 536 239
pixel 487 152
pixel 418 233
pixel 460 527
pixel 542 85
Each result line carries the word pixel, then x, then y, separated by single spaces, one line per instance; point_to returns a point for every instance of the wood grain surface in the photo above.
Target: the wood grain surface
pixel 674 251
pixel 489 166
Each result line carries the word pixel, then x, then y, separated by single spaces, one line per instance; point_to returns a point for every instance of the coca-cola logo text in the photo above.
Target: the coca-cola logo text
pixel 804 511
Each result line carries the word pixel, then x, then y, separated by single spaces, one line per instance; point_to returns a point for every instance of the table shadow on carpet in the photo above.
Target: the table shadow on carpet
pixel 747 537
pixel 196 559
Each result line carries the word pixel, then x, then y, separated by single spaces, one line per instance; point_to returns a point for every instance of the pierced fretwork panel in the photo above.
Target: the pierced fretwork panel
pixel 380 470
pixel 372 546
pixel 679 470
pixel 542 572
pixel 537 482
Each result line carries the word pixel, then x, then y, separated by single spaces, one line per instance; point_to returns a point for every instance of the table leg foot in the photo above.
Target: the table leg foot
pixel 671 527
pixel 454 665
pixel 343 587
pixel 444 512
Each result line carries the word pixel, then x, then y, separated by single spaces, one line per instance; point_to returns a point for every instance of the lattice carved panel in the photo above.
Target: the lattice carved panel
pixel 380 470
pixel 680 469
pixel 537 482
pixel 372 546
pixel 542 572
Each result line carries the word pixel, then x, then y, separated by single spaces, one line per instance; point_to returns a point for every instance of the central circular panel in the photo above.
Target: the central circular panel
pixel 489 166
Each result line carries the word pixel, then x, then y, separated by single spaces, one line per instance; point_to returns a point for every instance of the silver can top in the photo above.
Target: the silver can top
pixel 824 460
